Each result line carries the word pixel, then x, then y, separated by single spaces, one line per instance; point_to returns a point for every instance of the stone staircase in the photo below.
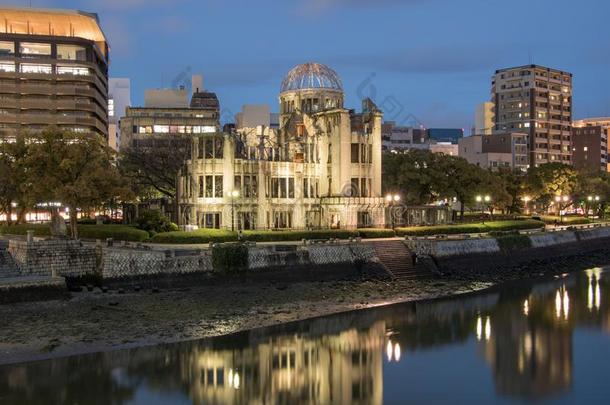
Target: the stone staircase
pixel 397 260
pixel 8 268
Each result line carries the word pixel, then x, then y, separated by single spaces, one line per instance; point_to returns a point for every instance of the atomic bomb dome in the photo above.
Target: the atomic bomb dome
pixel 311 76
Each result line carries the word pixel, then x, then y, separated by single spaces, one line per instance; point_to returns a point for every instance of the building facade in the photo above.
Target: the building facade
pixel 53 71
pixel 320 169
pixel 507 150
pixel 484 119
pixel 119 98
pixel 536 100
pixel 590 143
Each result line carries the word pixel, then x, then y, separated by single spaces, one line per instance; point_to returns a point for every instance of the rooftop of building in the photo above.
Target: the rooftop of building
pixel 533 66
pixel 52 22
pixel 311 75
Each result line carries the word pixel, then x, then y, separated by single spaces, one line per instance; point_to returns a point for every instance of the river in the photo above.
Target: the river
pixel 545 341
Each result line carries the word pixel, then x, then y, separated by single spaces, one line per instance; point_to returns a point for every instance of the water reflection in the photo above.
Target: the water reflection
pixel 523 333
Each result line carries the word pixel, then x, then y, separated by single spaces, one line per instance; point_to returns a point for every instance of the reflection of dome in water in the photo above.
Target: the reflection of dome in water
pixel 311 76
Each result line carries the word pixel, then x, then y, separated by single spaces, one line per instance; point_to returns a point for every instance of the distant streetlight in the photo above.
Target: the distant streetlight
pixel 526 200
pixel 392 199
pixel 234 195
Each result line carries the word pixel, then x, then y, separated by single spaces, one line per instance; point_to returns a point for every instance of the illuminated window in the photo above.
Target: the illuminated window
pixel 7 48
pixel 161 129
pixel 7 67
pixel 71 52
pixel 30 48
pixel 31 68
pixel 111 108
pixel 72 70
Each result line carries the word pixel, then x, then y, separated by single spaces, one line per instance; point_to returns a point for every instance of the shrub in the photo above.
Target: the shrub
pixel 496 226
pixel 117 232
pixel 197 236
pixel 153 221
pixel 230 258
pixel 279 236
pixel 513 242
pixel 367 233
pixel 567 220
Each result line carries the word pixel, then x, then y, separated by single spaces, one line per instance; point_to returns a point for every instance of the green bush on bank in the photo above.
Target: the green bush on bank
pixel 117 232
pixel 197 236
pixel 513 241
pixel 230 258
pixel 373 233
pixel 494 226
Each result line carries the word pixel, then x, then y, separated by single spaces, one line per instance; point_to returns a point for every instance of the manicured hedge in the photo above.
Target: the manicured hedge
pixel 371 233
pixel 495 226
pixel 277 236
pixel 567 220
pixel 197 236
pixel 117 232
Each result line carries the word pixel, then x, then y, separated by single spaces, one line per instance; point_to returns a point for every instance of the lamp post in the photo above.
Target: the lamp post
pixel 234 195
pixel 483 199
pixel 590 200
pixel 391 200
pixel 559 199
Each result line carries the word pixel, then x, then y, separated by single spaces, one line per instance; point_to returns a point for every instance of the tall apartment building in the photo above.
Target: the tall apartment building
pixel 536 100
pixel 590 143
pixel 53 71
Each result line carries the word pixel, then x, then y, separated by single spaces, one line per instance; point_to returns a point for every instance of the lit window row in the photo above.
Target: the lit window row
pixel 44 68
pixel 176 129
pixel 33 49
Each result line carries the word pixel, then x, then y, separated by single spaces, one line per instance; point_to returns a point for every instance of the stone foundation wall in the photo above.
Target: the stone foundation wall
pixel 120 263
pixel 66 258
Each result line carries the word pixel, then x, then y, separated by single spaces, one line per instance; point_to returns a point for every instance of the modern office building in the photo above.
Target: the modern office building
pixel 500 150
pixel 399 138
pixel 537 100
pixel 320 169
pixel 484 119
pixel 451 135
pixel 590 143
pixel 53 71
pixel 119 98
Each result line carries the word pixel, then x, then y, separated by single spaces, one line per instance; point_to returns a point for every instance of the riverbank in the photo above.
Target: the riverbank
pixel 96 321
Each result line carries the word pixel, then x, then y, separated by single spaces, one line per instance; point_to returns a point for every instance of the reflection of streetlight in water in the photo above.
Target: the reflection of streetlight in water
pixel 393 351
pixel 562 303
pixel 594 293
pixel 483 332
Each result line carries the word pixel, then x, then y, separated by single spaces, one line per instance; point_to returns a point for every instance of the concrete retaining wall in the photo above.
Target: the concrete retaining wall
pixel 552 239
pixel 121 263
pixel 452 248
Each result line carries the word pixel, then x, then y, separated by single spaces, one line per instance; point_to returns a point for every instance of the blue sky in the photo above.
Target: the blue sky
pixel 427 61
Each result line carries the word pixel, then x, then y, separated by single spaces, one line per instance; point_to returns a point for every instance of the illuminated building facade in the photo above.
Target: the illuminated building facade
pixel 320 169
pixel 53 71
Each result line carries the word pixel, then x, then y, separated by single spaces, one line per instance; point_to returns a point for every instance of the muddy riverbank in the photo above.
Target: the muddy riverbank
pixel 96 321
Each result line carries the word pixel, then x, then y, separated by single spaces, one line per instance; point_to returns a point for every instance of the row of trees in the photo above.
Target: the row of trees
pixel 423 177
pixel 77 170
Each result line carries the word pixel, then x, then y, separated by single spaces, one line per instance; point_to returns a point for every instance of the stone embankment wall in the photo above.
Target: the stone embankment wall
pixel 486 256
pixel 66 258
pixel 72 259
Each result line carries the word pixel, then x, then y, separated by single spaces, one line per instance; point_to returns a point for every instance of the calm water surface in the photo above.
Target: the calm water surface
pixel 546 342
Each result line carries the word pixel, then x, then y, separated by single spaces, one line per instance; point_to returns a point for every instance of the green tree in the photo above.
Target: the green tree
pixel 14 187
pixel 549 180
pixel 463 180
pixel 75 169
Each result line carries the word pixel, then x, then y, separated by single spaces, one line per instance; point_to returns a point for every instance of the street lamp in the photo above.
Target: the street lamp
pixel 526 200
pixel 392 199
pixel 480 199
pixel 559 199
pixel 234 195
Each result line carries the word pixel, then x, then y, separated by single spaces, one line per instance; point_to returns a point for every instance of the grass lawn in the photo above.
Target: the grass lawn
pixel 493 226
pixel 117 232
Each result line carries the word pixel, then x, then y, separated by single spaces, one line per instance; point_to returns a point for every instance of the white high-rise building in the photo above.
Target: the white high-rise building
pixel 119 98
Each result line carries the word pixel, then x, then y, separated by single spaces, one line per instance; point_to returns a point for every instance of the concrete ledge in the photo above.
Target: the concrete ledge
pixel 20 289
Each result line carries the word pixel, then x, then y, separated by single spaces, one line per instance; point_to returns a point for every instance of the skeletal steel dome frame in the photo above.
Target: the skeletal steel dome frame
pixel 311 76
